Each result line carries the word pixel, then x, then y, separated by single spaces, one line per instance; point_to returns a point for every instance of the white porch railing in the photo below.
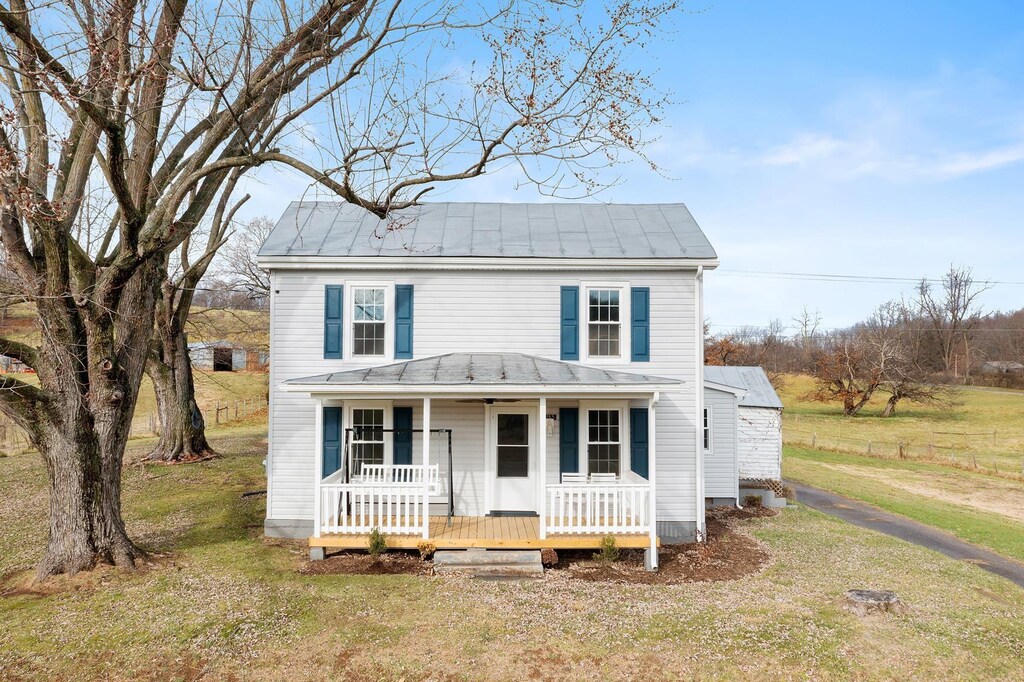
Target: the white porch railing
pixel 585 508
pixel 388 497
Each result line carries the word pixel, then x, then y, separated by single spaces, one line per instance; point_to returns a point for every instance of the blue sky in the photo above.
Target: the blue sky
pixel 851 138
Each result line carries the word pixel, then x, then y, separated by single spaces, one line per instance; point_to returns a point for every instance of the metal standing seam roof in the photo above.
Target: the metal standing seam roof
pixel 759 390
pixel 553 230
pixel 484 369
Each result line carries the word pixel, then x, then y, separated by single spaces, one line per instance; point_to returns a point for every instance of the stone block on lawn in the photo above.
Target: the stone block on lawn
pixel 864 602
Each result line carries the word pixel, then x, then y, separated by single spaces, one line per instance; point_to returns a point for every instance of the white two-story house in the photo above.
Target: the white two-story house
pixel 487 375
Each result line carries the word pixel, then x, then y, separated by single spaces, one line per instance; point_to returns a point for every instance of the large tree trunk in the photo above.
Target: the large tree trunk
pixel 890 405
pixel 182 427
pixel 85 504
pixel 92 383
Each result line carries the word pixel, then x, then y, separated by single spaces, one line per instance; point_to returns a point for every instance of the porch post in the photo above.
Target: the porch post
pixel 318 464
pixel 426 464
pixel 652 460
pixel 542 457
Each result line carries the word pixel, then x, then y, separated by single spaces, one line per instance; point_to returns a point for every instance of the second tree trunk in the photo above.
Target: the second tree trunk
pixel 182 427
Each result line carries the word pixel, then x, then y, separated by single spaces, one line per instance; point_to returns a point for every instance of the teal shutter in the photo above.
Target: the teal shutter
pixel 568 440
pixel 570 323
pixel 403 322
pixel 640 306
pixel 402 435
pixel 332 440
pixel 638 441
pixel 333 320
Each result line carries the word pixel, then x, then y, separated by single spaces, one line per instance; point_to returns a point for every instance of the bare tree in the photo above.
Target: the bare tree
pixel 954 314
pixel 164 106
pixel 169 366
pixel 240 265
pixel 845 372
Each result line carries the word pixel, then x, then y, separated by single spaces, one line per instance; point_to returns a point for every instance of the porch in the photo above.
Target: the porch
pixel 484 450
pixel 484 532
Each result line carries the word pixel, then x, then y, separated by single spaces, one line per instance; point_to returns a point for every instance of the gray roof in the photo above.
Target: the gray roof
pixel 753 379
pixel 484 369
pixel 576 230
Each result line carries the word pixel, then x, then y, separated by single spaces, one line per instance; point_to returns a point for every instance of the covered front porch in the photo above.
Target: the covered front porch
pixel 485 451
pixel 484 532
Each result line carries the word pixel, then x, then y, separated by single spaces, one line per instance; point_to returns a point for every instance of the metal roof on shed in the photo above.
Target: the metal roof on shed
pixel 554 230
pixel 490 369
pixel 759 390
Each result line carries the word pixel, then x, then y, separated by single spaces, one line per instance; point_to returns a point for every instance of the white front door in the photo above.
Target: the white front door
pixel 514 464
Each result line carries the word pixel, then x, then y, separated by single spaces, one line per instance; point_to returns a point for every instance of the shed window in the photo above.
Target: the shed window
pixel 367 438
pixel 707 429
pixel 604 326
pixel 368 321
pixel 604 441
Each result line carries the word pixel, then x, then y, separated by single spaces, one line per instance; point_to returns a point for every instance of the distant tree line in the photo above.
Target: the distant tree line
pixel 912 350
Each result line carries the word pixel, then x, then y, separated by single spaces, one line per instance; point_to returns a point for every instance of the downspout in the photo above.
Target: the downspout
pixel 736 448
pixel 699 416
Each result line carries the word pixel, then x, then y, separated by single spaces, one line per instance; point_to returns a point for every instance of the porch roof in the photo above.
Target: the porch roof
pixel 488 372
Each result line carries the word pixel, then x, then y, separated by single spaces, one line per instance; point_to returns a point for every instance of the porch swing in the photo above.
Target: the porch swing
pixel 384 474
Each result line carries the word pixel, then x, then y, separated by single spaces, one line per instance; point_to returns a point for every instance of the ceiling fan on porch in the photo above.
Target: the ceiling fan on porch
pixel 487 401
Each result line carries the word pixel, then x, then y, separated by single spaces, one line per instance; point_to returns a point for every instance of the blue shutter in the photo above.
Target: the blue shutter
pixel 332 440
pixel 568 440
pixel 403 322
pixel 570 323
pixel 638 441
pixel 333 320
pixel 640 305
pixel 403 435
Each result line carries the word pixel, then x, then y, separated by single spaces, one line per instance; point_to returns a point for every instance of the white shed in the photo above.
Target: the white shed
pixel 759 421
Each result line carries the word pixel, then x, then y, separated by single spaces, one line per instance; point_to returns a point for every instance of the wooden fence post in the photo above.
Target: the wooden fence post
pixel 814 440
pixel 218 412
pixel 869 447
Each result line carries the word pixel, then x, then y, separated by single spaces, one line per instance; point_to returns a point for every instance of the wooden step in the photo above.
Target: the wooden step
pixel 490 564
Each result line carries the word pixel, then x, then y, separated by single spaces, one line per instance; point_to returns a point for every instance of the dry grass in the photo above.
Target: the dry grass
pixel 223 603
pixel 986 429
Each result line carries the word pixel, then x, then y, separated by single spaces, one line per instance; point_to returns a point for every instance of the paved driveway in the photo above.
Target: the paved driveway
pixel 866 516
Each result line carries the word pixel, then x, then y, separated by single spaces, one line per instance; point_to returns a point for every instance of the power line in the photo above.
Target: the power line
pixel 834 277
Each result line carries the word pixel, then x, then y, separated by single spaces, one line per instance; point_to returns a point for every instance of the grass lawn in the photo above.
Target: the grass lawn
pixel 220 601
pixel 985 510
pixel 983 412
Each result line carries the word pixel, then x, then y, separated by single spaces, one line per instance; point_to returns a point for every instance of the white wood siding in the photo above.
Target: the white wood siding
pixel 760 442
pixel 470 311
pixel 720 478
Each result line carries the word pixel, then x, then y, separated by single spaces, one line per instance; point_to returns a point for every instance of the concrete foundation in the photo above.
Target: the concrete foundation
pixel 298 529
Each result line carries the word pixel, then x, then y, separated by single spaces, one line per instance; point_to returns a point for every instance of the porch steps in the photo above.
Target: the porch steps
pixel 490 564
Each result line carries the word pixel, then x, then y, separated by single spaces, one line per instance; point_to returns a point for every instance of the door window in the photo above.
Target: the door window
pixel 513 445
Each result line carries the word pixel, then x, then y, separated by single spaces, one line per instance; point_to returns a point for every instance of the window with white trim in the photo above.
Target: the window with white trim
pixel 369 326
pixel 604 441
pixel 367 437
pixel 604 322
pixel 707 429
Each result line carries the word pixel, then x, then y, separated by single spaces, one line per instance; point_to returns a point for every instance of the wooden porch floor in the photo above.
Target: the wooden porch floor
pixel 484 532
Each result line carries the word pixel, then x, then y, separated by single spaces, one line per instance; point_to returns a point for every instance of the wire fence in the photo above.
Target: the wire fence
pixel 968 450
pixel 14 439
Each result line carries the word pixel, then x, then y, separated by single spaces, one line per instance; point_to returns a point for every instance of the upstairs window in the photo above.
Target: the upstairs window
pixel 604 444
pixel 368 321
pixel 604 326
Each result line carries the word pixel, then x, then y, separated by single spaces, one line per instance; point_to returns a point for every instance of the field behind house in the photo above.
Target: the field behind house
pixel 218 601
pixel 968 485
pixel 986 429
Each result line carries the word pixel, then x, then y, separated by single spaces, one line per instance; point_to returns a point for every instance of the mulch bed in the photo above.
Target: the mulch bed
pixel 728 554
pixel 361 563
